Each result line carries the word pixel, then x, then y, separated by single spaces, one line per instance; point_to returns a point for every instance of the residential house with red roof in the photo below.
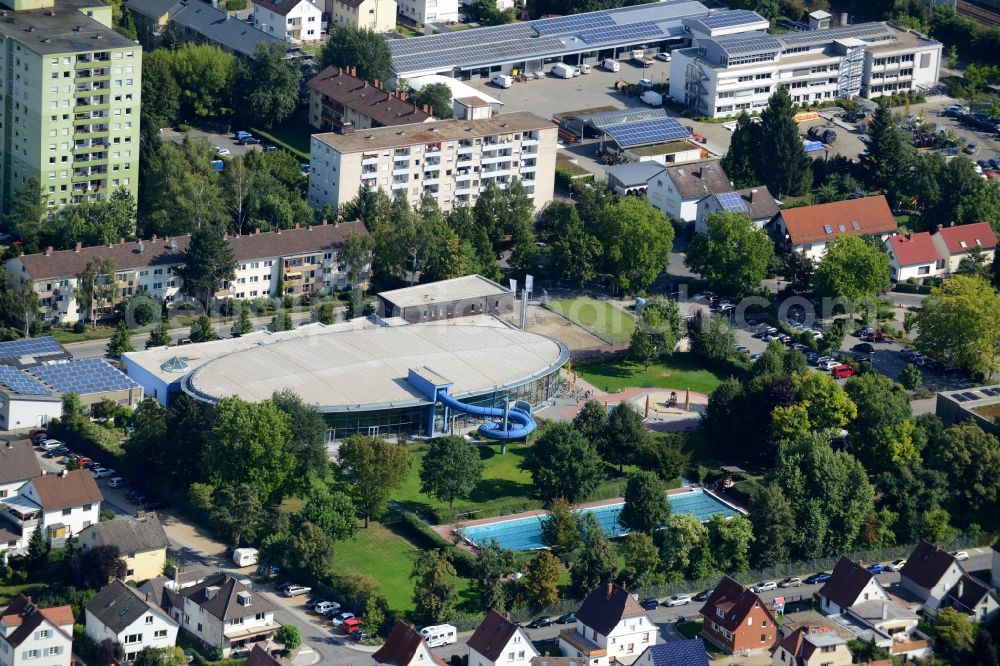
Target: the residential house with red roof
pixel 812 645
pixel 260 657
pixel 849 584
pixel 60 504
pixel 31 635
pixel 498 641
pixel 808 229
pixel 930 573
pixel 736 619
pixel 294 21
pixel 406 647
pixel 610 626
pixel 912 256
pixel 339 101
pixel 957 243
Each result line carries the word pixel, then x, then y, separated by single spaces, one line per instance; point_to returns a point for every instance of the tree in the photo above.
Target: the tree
pixel 99 565
pixel 563 464
pixel 781 161
pixel 119 343
pixel 888 156
pixel 38 551
pixel 730 542
pixel 592 422
pixel 331 511
pixel 773 524
pixel 96 288
pixel 281 321
pixel 204 75
pixel 573 251
pixel 26 212
pixel 167 656
pixel 910 491
pixel 625 436
pixel 637 239
pixel 18 301
pixel 957 325
pixel 376 609
pixel 289 636
pixel 434 592
pixel 249 442
pixel 309 433
pixel 646 507
pixel 374 468
pixel 640 561
pixel 733 254
pixel 450 469
pixel 236 510
pixel 541 579
pixel 738 162
pixel 596 562
pixel 361 48
pixel 716 341
pixel 268 85
pixel 203 331
pixel 687 554
pixel 159 336
pixel 561 529
pixel 493 564
pixel 666 458
pixel 242 325
pixel 643 347
pixel 983 652
pixel 161 95
pixel 852 268
pixel 208 263
pixel 437 96
pixel 357 254
pixel 109 652
pixel 970 459
pixel 954 635
pixel 311 550
pixel 910 377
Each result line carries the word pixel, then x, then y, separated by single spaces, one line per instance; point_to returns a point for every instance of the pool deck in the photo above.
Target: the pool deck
pixel 450 531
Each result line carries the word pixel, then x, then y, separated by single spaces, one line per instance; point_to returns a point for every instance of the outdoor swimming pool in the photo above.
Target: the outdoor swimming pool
pixel 526 533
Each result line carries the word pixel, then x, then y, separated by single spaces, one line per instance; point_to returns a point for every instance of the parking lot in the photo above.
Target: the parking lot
pixel 217 139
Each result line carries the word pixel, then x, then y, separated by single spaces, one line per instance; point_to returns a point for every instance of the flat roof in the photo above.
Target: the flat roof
pixel 367 369
pixel 62 28
pixel 544 38
pixel 432 132
pixel 443 291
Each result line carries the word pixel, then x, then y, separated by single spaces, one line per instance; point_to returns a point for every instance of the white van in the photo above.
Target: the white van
pixel 245 557
pixel 611 64
pixel 502 81
pixel 564 71
pixel 439 634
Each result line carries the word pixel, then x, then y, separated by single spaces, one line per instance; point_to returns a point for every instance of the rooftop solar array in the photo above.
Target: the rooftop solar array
pixel 991 391
pixel 29 347
pixel 564 25
pixel 608 118
pixel 92 375
pixel 647 132
pixel 731 19
pixel 21 382
pixel 732 202
pixel 748 44
pixel 618 33
pixel 859 31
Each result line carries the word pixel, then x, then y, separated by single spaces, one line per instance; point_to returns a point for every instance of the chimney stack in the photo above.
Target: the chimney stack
pixel 177 576
pixel 610 588
pixel 148 598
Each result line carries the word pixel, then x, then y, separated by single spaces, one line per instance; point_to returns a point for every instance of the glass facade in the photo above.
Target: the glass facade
pixel 413 420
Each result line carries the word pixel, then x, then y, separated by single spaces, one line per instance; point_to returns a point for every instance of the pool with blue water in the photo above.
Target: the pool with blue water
pixel 526 533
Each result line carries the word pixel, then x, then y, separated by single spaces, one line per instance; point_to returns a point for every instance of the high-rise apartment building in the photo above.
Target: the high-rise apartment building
pixel 70 88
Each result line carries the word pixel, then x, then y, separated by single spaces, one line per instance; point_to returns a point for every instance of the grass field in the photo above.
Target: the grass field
pixel 681 371
pixel 598 317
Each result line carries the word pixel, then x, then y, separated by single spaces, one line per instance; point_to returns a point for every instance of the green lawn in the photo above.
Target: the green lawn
pixel 599 317
pixel 690 629
pixel 681 371
pixel 294 135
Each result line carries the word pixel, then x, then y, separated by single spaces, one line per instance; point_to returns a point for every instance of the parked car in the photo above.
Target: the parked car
pixel 284 585
pixel 828 364
pixel 568 618
pixel 297 590
pixel 540 622
pixel 649 603
pixel 820 577
pixel 876 568
pixel 116 482
pixel 351 625
pixel 960 555
pixel 38 435
pixel 58 451
pixel 249 141
pixel 664 56
pixel 790 582
pixel 703 595
pixel 222 152
pixel 862 332
pixel 764 586
pixel 325 607
pixel 102 472
pixel 339 618
pixel 863 348
pixel 841 371
pixel 50 444
pixel 876 336
pixel 678 600
pixel 269 148
pixel 895 566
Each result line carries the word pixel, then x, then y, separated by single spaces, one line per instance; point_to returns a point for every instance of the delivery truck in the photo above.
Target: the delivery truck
pixel 502 81
pixel 611 64
pixel 563 71
pixel 652 98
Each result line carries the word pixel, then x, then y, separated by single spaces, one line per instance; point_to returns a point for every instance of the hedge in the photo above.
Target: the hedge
pixel 424 536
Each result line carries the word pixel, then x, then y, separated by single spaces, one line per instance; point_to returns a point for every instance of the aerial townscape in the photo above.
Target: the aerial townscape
pixel 499 332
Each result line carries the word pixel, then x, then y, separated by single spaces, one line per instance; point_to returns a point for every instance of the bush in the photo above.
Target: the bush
pixel 236 5
pixel 564 180
pixel 424 536
pixel 79 327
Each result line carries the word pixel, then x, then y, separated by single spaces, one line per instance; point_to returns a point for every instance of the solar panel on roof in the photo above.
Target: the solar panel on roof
pixel 733 202
pixel 730 19
pixel 618 32
pixel 84 376
pixel 960 397
pixel 29 347
pixel 749 44
pixel 20 382
pixel 647 132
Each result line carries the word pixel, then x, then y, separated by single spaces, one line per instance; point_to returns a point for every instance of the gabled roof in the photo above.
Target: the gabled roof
pixel 18 462
pixel 220 28
pixel 117 606
pixel 869 216
pixel 280 7
pixel 219 595
pixel 27 617
pixel 913 249
pixel 383 107
pixel 846 583
pixel 735 601
pixel 803 642
pixel 129 533
pixel 699 180
pixel 927 564
pixel 965 237
pixel 403 643
pixel 606 606
pixel 967 593
pixel 66 489
pixel 689 652
pixel 492 635
pixel 154 9
pixel 758 202
pixel 260 657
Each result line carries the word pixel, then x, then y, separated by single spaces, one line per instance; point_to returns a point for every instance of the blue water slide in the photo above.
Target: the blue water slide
pixel 519 422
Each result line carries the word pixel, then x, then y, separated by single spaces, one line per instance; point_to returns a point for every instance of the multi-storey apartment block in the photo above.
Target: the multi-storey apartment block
pixel 339 101
pixel 70 114
pixel 723 74
pixel 454 160
pixel 291 261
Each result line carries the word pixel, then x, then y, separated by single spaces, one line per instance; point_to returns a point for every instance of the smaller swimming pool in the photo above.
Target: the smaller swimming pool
pixel 526 533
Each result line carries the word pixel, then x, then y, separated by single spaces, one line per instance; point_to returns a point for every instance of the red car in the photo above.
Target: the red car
pixel 841 371
pixel 876 336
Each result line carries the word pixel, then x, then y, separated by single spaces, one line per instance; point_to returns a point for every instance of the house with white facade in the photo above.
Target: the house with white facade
pixel 849 584
pixel 930 573
pixel 374 15
pixel 60 504
pixel 808 229
pixel 957 243
pixel 18 465
pixel 406 647
pixel 813 645
pixel 971 597
pixel 430 11
pixel 124 615
pixel 610 626
pixel 499 642
pixel 226 615
pixel 677 190
pixel 912 256
pixel 30 635
pixel 754 202
pixel 295 21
